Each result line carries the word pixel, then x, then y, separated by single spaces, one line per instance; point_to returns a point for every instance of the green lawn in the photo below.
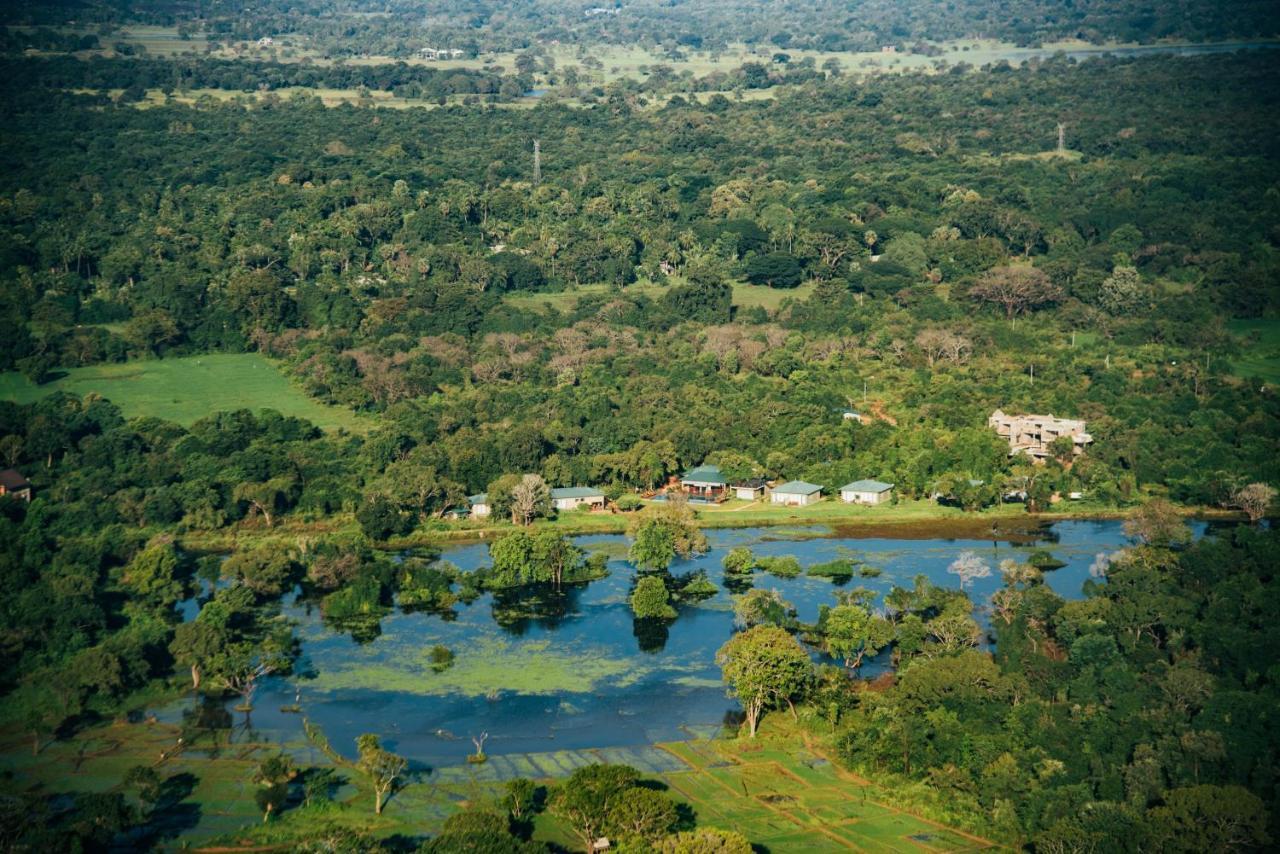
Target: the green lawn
pixel 187 389
pixel 1261 344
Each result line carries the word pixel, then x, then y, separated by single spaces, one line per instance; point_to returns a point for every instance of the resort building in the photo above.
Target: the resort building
pixel 1033 434
pixel 13 484
pixel 796 493
pixel 479 505
pixel 866 492
pixel 573 497
pixel 751 489
pixel 705 483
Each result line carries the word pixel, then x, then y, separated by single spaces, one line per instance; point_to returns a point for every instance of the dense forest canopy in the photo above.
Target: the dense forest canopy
pixel 377 253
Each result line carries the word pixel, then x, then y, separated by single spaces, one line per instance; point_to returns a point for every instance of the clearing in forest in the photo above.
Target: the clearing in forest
pixel 1260 344
pixel 187 389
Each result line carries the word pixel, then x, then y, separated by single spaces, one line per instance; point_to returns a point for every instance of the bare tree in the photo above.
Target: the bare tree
pixel 530 498
pixel 968 566
pixel 1017 289
pixel 479 743
pixel 1254 500
pixel 943 344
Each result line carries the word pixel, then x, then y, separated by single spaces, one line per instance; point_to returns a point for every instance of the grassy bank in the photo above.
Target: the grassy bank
pixel 906 520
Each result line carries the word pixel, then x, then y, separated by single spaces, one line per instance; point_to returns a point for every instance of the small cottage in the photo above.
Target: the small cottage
pixel 866 492
pixel 479 505
pixel 751 489
pixel 796 493
pixel 705 483
pixel 573 497
pixel 14 485
pixel 850 415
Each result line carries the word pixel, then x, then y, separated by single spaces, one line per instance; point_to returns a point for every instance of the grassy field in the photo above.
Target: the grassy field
pixel 187 389
pixel 783 793
pixel 780 790
pixel 1261 343
pixel 744 295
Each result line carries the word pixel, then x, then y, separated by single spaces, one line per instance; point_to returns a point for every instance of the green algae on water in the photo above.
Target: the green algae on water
pixel 488 668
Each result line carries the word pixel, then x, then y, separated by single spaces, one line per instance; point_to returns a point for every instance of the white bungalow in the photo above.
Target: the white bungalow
pixel 751 489
pixel 479 504
pixel 573 497
pixel 866 492
pixel 796 493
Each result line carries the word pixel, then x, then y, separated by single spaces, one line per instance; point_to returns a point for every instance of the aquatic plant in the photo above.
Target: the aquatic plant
pixel 739 560
pixel 651 600
pixel 441 658
pixel 783 566
pixel 840 569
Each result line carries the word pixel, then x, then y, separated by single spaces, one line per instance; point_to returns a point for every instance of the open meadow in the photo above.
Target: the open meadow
pixel 187 389
pixel 1260 343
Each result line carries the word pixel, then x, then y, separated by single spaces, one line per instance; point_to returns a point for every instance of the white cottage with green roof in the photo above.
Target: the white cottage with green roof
pixel 479 505
pixel 573 497
pixel 866 492
pixel 796 493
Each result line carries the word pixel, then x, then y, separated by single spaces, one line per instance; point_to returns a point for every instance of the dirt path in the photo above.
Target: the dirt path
pixel 876 408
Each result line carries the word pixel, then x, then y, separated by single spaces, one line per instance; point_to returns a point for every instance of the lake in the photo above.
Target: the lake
pixel 571 673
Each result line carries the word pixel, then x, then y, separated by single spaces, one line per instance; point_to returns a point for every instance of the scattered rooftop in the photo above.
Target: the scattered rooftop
pixel 705 474
pixel 797 487
pixel 576 492
pixel 866 486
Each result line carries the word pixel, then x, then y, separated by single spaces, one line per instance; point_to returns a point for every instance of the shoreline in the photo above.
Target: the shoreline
pixel 910 521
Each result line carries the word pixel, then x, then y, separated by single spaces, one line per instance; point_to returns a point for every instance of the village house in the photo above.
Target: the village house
pixel 573 497
pixel 1033 434
pixel 866 492
pixel 434 53
pixel 266 41
pixel 14 485
pixel 796 493
pixel 705 483
pixel 751 489
pixel 850 415
pixel 479 505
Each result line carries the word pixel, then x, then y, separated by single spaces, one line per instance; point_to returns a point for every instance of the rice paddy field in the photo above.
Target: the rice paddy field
pixel 187 389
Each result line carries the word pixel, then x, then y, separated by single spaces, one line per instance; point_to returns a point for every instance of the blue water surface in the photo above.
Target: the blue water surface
pixel 661 684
